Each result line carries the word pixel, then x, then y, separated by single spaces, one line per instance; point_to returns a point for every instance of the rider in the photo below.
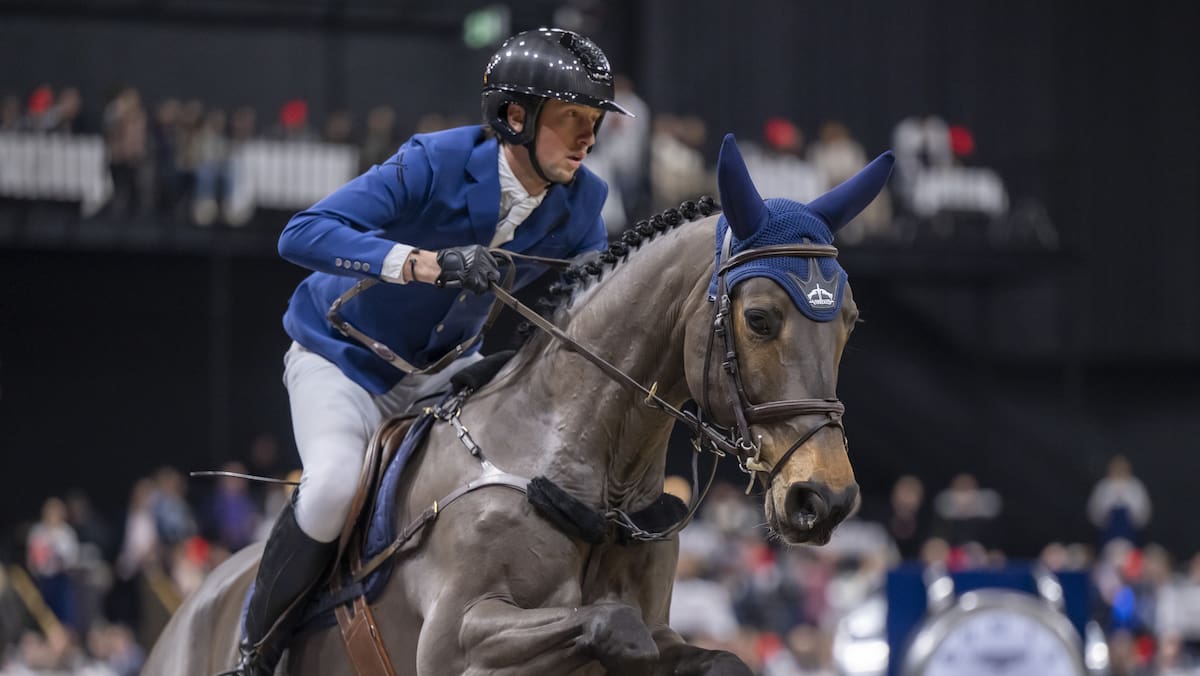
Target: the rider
pixel 422 223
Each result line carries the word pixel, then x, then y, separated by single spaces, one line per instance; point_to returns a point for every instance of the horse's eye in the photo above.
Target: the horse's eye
pixel 758 321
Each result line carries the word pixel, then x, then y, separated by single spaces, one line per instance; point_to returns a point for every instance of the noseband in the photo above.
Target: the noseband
pixel 746 447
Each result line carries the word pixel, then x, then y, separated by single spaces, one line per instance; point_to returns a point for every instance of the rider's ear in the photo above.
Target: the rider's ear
pixel 515 114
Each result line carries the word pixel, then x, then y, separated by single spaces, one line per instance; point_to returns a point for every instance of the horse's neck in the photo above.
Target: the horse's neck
pixel 599 441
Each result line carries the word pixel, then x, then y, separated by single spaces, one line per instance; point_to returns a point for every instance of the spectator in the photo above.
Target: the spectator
pixel 52 551
pixel 701 609
pixel 10 113
pixel 41 100
pixel 380 141
pixel 141 543
pixel 172 514
pixel 339 127
pixel 93 577
pixel 1119 506
pixel 191 122
pixel 232 516
pixel 91 528
pixel 139 548
pixel 622 158
pixel 431 122
pixel 293 122
pixel 114 649
pixel 211 154
pixel 63 116
pixel 837 156
pixel 678 170
pixel 126 139
pixel 164 138
pixel 1178 611
pixel 243 129
pixel 906 519
pixel 811 648
pixel 264 461
pixel 777 164
pixel 965 513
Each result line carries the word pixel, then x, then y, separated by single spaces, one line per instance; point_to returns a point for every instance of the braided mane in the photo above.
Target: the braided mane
pixel 578 277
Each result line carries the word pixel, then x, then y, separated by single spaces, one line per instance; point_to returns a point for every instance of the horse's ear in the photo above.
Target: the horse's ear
pixel 840 205
pixel 743 207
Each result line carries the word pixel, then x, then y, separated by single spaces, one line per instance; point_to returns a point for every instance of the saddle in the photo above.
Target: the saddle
pixel 369 528
pixel 360 634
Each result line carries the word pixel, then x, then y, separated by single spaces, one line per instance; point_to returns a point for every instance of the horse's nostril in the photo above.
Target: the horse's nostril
pixel 805 506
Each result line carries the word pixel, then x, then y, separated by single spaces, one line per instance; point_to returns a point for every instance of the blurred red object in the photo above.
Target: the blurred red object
pixel 1145 647
pixel 40 100
pixel 293 114
pixel 1132 566
pixel 767 644
pixel 196 549
pixel 780 133
pixel 962 141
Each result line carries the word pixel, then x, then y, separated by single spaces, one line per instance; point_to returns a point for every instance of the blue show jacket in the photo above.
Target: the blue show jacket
pixel 439 190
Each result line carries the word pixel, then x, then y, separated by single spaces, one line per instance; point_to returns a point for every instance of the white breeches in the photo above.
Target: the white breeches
pixel 333 419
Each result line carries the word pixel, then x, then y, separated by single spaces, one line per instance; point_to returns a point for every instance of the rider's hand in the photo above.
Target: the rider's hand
pixel 467 267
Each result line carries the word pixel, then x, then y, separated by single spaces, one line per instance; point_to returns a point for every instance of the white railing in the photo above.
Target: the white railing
pixel 272 174
pixel 55 167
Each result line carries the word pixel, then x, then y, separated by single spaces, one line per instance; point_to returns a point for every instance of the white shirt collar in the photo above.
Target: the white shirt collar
pixel 515 202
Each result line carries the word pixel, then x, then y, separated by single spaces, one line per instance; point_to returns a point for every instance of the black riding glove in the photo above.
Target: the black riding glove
pixel 467 267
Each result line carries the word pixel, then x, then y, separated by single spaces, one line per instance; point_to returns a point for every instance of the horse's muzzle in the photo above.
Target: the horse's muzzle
pixel 811 511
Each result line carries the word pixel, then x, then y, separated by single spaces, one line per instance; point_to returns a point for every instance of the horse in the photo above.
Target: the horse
pixel 494 587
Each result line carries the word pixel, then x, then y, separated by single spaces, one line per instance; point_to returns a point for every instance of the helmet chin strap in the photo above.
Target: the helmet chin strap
pixel 531 148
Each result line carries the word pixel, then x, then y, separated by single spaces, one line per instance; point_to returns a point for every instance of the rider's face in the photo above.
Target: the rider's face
pixel 565 133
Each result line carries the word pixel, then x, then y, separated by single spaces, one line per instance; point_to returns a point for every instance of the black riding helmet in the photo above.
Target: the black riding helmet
pixel 548 63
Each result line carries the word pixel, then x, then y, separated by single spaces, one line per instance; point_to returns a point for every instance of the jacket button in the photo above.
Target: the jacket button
pixel 462 297
pixel 439 328
pixel 337 262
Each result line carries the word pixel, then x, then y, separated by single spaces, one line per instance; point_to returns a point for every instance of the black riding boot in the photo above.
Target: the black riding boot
pixel 291 565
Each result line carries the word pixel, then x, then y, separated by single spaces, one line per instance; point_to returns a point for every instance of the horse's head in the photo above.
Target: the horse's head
pixel 767 366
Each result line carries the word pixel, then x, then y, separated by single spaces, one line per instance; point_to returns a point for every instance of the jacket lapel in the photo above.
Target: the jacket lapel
pixel 550 214
pixel 483 194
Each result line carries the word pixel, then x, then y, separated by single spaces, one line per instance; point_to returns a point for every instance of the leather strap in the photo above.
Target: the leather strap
pixel 364 645
pixel 517 483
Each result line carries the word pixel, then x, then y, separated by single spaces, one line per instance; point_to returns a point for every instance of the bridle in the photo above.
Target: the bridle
pixel 748 448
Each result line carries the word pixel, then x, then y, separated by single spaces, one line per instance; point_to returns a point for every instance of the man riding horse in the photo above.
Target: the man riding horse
pixel 421 222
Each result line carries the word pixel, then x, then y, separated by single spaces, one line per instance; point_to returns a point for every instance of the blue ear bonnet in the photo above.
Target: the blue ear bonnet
pixel 818 297
pixel 816 284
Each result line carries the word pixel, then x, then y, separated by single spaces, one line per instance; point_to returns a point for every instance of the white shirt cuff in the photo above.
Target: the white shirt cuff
pixel 393 264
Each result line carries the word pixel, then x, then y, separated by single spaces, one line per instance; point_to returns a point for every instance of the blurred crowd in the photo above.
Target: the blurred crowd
pixel 779 607
pixel 92 593
pixel 170 161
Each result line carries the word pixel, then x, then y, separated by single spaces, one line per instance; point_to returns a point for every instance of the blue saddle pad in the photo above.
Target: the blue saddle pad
pixel 381 531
